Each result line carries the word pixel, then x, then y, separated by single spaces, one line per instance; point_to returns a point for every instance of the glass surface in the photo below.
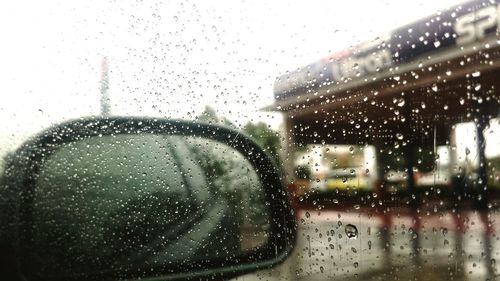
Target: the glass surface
pixel 115 203
pixel 382 115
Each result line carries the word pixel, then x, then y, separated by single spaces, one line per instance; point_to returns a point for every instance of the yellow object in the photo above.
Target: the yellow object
pixel 345 183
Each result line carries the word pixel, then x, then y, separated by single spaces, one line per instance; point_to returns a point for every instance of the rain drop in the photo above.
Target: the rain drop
pixel 444 231
pixel 351 231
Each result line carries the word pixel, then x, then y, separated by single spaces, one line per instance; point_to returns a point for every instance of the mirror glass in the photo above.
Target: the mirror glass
pixel 115 203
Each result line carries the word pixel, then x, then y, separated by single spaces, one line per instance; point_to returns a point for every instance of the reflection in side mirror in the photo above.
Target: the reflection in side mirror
pixel 155 202
pixel 125 200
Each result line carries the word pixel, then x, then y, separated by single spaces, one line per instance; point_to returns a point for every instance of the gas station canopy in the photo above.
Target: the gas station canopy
pixel 411 85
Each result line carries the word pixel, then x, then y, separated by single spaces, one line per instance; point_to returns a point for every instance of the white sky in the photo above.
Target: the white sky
pixel 167 59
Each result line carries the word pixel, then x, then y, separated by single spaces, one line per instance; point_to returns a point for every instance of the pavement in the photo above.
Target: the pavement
pixel 428 246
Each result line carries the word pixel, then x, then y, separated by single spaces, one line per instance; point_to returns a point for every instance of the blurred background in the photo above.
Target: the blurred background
pixel 384 115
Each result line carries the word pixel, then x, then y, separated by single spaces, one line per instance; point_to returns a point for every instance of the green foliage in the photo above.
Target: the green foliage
pixel 231 175
pixel 267 138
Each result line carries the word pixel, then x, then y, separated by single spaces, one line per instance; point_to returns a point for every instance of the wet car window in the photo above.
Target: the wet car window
pixel 382 116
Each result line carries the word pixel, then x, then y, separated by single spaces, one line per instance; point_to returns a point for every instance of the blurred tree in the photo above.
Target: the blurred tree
pixel 216 166
pixel 267 138
pixel 209 115
pixel 231 176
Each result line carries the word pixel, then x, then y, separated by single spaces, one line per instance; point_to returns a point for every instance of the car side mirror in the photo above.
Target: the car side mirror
pixel 138 198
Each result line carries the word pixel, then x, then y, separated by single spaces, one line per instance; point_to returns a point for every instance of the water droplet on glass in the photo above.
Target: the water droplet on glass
pixel 351 231
pixel 444 231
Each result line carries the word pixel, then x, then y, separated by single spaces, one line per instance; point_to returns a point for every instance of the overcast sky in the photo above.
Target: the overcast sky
pixel 170 60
